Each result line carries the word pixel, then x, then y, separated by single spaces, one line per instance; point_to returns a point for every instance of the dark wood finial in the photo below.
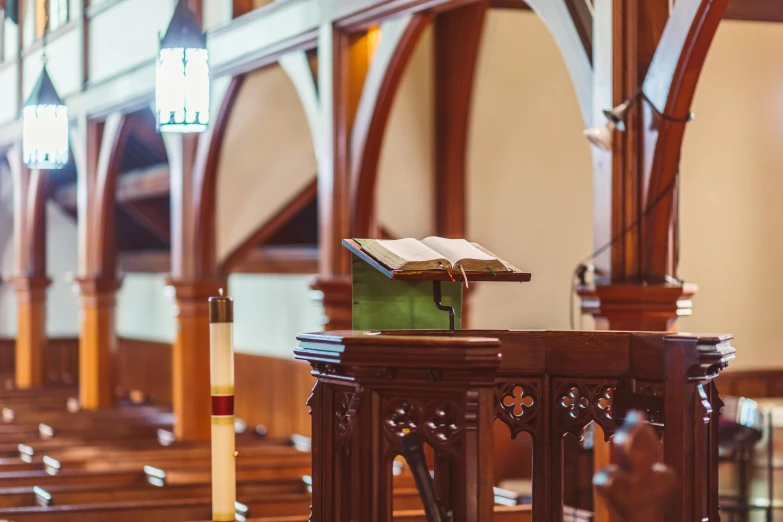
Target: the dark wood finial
pixel 637 488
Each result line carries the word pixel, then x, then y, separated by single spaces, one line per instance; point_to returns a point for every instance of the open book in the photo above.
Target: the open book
pixel 432 253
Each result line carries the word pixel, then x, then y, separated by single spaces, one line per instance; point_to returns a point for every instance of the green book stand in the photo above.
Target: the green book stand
pixel 386 299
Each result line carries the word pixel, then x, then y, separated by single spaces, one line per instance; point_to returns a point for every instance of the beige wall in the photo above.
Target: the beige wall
pixel 530 183
pixel 405 170
pixel 529 169
pixel 530 175
pixel 267 157
pixel 732 182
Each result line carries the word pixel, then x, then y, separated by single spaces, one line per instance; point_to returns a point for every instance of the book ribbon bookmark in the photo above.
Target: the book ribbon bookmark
pixel 465 276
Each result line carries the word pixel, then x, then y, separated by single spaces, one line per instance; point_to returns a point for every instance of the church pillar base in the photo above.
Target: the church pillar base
pixel 637 307
pixel 191 396
pixel 98 343
pixel 337 300
pixel 30 329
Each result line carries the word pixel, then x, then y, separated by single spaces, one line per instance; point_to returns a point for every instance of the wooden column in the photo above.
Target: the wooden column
pixel 193 161
pixel 96 147
pixel 97 342
pixel 457 40
pixel 342 66
pixel 29 280
pixel 358 77
pixel 190 359
pixel 644 53
pixel 190 356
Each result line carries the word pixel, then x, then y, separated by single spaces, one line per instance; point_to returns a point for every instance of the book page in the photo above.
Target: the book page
pixel 459 250
pixel 406 253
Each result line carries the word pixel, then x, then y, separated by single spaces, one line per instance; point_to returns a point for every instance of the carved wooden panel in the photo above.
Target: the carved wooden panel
pixel 518 405
pixel 439 422
pixel 579 401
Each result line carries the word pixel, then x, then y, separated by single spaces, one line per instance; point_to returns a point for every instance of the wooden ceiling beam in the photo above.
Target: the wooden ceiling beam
pixel 152 182
pixel 150 216
pixel 755 10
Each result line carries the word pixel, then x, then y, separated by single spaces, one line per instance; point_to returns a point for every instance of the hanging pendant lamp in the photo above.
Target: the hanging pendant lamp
pixel 182 86
pixel 45 122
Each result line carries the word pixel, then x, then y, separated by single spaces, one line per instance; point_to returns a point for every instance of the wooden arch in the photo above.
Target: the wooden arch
pixel 399 38
pixel 103 252
pixel 30 191
pixel 205 182
pixel 670 85
pixel 561 24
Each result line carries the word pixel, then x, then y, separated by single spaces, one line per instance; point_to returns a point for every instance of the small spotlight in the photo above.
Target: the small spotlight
pixel 602 135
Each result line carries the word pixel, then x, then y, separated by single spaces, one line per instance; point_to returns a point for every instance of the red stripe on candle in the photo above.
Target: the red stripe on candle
pixel 222 405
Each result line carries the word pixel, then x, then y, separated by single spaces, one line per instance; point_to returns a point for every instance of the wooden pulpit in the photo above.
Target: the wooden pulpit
pixel 448 385
pixel 372 389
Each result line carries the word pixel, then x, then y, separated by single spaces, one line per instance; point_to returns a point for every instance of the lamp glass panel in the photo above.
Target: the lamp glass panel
pixel 182 90
pixel 45 136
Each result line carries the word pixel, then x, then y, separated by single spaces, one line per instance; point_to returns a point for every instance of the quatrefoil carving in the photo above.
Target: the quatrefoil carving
pixel 442 423
pixel 603 402
pixel 574 402
pixel 517 401
pixel 402 418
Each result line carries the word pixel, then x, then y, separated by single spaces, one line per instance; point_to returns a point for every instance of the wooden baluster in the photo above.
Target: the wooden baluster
pixel 637 489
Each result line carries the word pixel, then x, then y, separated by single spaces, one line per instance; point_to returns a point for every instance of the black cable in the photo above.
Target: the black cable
pixel 620 235
pixel 661 114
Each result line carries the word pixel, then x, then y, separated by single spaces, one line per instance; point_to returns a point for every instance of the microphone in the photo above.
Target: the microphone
pixel 413 451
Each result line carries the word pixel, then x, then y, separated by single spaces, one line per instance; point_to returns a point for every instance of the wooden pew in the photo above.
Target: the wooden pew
pixel 167 510
pixel 502 514
pixel 15 479
pixel 98 458
pixel 60 496
pixel 30 412
pixel 160 507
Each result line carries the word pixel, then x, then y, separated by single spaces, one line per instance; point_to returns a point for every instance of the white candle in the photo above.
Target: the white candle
pixel 221 358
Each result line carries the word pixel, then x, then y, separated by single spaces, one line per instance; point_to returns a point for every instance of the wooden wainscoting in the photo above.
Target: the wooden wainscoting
pixel 61 361
pixel 269 391
pixel 273 392
pixel 144 366
pixel 754 384
pixel 7 346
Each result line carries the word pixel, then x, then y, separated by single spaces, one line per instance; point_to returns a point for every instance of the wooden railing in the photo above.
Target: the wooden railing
pixel 373 388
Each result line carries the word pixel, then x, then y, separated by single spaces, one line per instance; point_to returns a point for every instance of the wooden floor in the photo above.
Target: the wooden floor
pixel 57 465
